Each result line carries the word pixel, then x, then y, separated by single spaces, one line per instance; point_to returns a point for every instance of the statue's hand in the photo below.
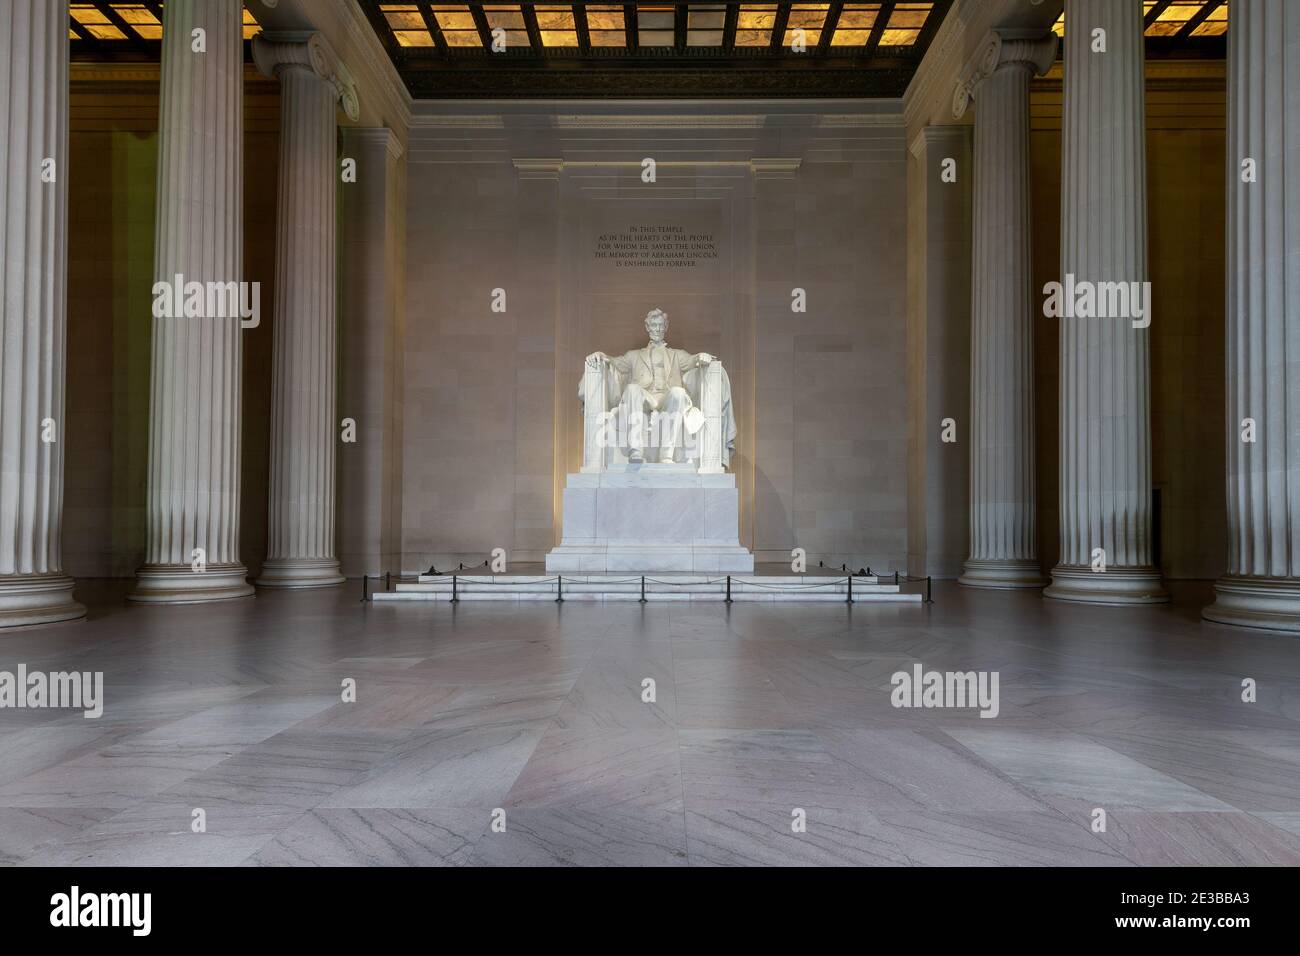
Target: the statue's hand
pixel 596 359
pixel 704 358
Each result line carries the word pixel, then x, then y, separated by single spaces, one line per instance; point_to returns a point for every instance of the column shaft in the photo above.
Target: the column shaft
pixel 1262 586
pixel 938 344
pixel 192 500
pixel 1003 546
pixel 370 373
pixel 33 279
pixel 1105 465
pixel 304 428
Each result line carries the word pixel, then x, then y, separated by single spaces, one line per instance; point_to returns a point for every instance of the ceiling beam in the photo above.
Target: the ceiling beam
pixel 630 26
pixel 931 26
pixel 484 28
pixel 828 27
pixel 83 35
pixel 653 76
pixel 1154 13
pixel 729 28
pixel 778 29
pixel 431 24
pixel 580 22
pixel 379 23
pixel 534 31
pixel 878 28
pixel 137 42
pixel 1198 18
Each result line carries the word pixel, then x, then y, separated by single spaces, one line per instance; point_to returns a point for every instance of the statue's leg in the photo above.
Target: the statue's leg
pixel 675 404
pixel 634 408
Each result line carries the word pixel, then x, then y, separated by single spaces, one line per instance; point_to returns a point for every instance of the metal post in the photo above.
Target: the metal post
pixel 559 589
pixel 454 599
pixel 895 579
pixel 388 580
pixel 928 599
pixel 365 588
pixel 728 601
pixel 642 601
pixel 849 599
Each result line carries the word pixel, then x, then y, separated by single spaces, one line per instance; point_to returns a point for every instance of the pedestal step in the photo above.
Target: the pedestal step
pixel 658 587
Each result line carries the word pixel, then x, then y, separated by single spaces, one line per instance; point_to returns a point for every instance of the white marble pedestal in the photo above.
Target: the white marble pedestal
pixel 651 518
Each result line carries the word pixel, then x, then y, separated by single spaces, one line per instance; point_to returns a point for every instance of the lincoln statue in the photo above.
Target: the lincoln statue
pixel 653 379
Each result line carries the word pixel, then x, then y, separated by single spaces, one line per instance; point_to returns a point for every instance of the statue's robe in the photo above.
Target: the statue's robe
pixel 679 369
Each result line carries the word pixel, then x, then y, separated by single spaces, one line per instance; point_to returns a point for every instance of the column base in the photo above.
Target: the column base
pixel 1268 603
pixel 29 599
pixel 1001 573
pixel 180 584
pixel 1114 586
pixel 300 573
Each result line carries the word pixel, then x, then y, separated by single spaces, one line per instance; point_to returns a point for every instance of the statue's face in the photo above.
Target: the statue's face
pixel 656 326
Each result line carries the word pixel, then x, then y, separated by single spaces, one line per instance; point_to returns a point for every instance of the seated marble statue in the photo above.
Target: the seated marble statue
pixel 658 378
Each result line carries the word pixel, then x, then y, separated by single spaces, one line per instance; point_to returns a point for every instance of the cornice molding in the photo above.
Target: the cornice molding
pixel 774 167
pixel 629 121
pixel 859 120
pixel 452 121
pixel 132 77
pixel 943 51
pixel 534 168
pixel 939 134
pixel 390 86
pixel 376 134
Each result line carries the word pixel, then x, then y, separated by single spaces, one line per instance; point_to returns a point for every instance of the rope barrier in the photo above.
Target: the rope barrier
pixel 828 580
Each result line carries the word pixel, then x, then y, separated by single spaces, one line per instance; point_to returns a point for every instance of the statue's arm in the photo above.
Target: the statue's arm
pixel 690 361
pixel 622 364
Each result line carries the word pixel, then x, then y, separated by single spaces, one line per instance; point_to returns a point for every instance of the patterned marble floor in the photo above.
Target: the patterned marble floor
pixel 537 710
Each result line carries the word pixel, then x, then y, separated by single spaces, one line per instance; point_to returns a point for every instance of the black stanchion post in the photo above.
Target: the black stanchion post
pixel 559 589
pixel 928 599
pixel 388 580
pixel 849 599
pixel 728 601
pixel 454 598
pixel 895 578
pixel 642 601
pixel 365 588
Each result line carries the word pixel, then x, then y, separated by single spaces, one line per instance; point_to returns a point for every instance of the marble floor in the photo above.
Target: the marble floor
pixel 534 713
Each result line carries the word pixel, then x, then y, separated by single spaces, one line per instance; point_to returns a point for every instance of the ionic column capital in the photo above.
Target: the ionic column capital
pixel 309 51
pixel 998 50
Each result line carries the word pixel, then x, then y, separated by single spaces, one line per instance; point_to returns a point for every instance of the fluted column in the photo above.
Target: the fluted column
pixel 1262 586
pixel 192 496
pixel 304 428
pixel 33 279
pixel 1105 454
pixel 1003 541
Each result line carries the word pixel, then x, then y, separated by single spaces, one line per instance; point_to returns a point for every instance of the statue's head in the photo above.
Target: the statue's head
pixel 656 324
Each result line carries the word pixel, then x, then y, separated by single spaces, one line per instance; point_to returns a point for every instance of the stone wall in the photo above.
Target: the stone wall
pixel 517 196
